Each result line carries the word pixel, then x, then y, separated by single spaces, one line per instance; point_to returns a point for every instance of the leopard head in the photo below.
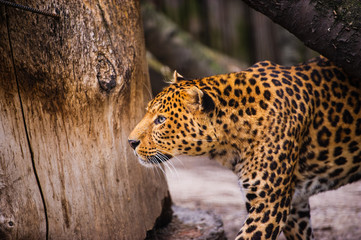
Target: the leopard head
pixel 179 121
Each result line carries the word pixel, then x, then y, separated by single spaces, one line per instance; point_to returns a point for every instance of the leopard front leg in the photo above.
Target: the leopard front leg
pixel 298 224
pixel 267 214
pixel 268 189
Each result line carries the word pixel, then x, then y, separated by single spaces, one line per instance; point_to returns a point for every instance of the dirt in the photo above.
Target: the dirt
pixel 204 184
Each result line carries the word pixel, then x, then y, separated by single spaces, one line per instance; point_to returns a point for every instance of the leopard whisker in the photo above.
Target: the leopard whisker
pixel 169 164
pixel 175 169
pixel 163 159
pixel 162 169
pixel 152 165
pixel 153 159
pixel 175 157
pixel 160 165
pixel 149 158
pixel 149 91
pixel 156 169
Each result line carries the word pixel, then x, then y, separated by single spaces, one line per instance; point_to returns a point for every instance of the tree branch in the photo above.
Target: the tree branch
pixel 331 27
pixel 178 50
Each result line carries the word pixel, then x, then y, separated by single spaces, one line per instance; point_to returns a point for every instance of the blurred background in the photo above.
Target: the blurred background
pixel 202 38
pixel 231 27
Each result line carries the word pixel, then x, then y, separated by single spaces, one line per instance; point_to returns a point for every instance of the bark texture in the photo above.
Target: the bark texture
pixel 71 90
pixel 331 27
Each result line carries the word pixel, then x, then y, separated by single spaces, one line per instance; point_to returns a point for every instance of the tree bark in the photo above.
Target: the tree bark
pixel 70 92
pixel 18 185
pixel 331 27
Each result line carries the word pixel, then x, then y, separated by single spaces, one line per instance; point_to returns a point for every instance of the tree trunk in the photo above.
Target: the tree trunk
pixel 70 92
pixel 331 27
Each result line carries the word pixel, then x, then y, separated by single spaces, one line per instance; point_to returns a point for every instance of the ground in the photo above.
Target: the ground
pixel 206 185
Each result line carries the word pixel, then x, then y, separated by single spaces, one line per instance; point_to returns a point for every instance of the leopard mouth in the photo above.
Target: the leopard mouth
pixel 155 159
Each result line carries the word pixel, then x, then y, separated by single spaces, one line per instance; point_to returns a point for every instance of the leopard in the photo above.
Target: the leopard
pixel 287 132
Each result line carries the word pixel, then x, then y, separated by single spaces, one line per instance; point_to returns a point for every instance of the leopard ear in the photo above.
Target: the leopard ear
pixel 199 100
pixel 177 77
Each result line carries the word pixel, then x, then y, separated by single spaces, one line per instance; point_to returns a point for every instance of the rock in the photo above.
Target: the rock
pixel 190 224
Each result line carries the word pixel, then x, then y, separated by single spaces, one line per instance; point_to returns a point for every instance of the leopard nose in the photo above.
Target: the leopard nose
pixel 133 143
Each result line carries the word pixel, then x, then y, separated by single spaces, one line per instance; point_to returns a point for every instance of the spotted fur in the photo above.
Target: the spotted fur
pixel 287 132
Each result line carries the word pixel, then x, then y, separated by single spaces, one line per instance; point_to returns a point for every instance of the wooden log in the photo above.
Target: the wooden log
pixel 70 92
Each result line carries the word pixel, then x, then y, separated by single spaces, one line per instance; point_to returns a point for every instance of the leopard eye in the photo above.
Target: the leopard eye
pixel 159 120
